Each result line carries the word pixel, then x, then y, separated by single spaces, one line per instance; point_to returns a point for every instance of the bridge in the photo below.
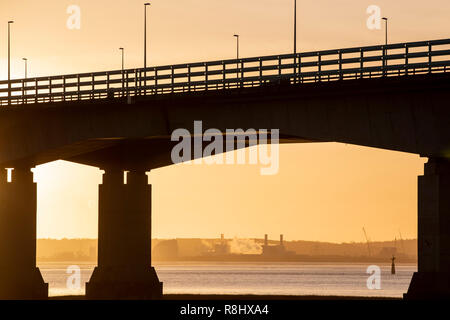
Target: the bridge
pixel 329 65
pixel 392 97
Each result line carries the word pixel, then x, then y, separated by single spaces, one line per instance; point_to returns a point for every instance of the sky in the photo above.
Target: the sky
pixel 325 192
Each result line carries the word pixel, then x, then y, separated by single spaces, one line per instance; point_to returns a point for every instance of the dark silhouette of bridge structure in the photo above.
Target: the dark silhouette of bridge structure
pixel 394 97
pixel 352 63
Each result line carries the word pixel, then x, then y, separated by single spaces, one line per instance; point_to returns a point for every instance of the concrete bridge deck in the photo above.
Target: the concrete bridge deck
pixel 126 123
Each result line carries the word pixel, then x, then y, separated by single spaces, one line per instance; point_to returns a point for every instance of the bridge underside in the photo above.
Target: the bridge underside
pixel 407 114
pixel 410 114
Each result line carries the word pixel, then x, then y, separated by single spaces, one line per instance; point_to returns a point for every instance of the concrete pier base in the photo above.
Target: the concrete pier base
pixel 432 280
pixel 429 286
pixel 121 283
pixel 19 276
pixel 124 241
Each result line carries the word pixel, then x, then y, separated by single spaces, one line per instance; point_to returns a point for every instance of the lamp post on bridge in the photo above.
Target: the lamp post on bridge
pixel 145 44
pixel 123 54
pixel 122 49
pixel 24 82
pixel 26 66
pixel 385 46
pixel 237 56
pixel 295 41
pixel 9 61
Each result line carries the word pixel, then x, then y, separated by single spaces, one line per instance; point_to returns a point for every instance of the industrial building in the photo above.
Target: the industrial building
pixel 275 250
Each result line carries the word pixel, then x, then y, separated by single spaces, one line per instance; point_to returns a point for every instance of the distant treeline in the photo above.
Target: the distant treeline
pixel 249 249
pixel 52 250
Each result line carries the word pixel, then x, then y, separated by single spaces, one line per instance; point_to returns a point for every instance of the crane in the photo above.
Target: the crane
pixel 367 240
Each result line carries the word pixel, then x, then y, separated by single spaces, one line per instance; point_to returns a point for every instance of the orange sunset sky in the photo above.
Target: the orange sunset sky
pixel 325 192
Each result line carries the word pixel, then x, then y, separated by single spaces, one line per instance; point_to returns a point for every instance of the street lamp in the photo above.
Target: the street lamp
pixel 145 43
pixel 295 38
pixel 9 61
pixel 295 26
pixel 386 42
pixel 237 55
pixel 145 33
pixel 26 66
pixel 122 49
pixel 386 20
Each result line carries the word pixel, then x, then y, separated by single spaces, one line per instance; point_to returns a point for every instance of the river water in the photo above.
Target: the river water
pixel 340 279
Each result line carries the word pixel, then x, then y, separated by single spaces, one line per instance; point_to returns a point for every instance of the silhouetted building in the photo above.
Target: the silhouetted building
pixel 222 247
pixel 275 250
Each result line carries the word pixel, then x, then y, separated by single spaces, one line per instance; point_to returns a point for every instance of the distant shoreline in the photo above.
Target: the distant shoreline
pixel 222 250
pixel 230 297
pixel 294 258
pixel 169 262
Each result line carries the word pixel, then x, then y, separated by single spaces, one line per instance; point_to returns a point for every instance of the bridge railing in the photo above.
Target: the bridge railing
pixel 329 65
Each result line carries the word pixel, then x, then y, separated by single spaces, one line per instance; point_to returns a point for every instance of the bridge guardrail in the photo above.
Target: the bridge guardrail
pixel 327 65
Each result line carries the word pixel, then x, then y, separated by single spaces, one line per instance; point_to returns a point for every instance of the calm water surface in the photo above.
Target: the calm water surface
pixel 250 278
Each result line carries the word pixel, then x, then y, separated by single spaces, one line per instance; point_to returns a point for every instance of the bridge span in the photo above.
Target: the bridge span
pixel 394 97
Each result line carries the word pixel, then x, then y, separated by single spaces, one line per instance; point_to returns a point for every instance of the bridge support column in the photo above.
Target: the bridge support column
pixel 19 276
pixel 433 277
pixel 124 268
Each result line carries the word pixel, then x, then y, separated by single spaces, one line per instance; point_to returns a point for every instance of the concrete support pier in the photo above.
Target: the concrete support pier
pixel 19 276
pixel 124 268
pixel 433 277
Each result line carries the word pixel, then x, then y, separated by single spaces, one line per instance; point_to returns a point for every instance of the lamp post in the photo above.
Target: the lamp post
pixel 295 40
pixel 24 82
pixel 122 50
pixel 145 44
pixel 386 28
pixel 237 55
pixel 385 47
pixel 26 66
pixel 9 61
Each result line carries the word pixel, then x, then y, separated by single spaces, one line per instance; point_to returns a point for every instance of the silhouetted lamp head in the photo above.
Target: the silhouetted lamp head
pixel 147 4
pixel 384 18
